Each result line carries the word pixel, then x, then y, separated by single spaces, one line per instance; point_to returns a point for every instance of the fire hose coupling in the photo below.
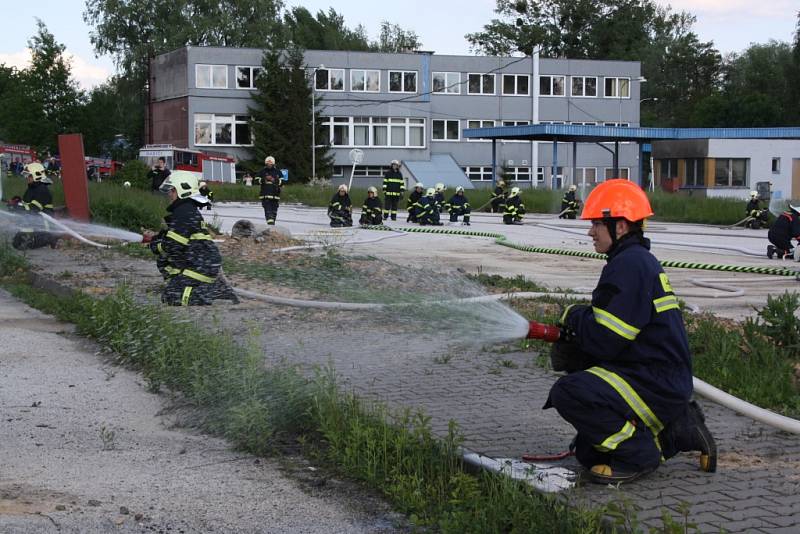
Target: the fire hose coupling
pixel 546 332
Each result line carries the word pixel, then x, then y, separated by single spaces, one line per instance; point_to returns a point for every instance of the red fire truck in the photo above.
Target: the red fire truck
pixel 18 154
pixel 208 166
pixel 102 167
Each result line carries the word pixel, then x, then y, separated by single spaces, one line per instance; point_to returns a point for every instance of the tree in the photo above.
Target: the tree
pixel 325 32
pixel 111 119
pixel 395 39
pixel 281 116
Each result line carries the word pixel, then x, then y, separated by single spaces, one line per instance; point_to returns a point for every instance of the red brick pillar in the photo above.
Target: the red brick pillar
pixel 73 174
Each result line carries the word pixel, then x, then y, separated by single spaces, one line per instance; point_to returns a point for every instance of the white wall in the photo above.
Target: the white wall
pixel 760 152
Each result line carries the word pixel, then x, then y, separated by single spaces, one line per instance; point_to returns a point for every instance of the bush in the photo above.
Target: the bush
pixel 131 209
pixel 135 172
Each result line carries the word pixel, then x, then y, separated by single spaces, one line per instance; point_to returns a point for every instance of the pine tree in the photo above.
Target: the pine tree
pixel 282 116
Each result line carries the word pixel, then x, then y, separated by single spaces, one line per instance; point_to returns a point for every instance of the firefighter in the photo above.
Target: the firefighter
pixel 270 195
pixel 393 188
pixel 372 209
pixel 413 201
pixel 458 205
pixel 630 398
pixel 499 197
pixel 189 250
pixel 785 227
pixel 438 198
pixel 208 193
pixel 569 204
pixel 756 217
pixel 36 199
pixel 514 209
pixel 427 214
pixel 157 248
pixel 340 208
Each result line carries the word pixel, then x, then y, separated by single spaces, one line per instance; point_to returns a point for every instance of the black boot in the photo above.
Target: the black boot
pixel 690 434
pixel 770 251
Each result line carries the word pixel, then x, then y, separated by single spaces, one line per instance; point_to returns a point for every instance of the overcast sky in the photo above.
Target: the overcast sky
pixel 441 25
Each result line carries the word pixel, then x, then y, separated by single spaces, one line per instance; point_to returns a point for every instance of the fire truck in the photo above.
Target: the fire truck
pixel 208 166
pixel 19 154
pixel 102 167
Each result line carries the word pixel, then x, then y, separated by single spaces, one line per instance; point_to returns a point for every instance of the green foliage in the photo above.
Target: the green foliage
pixel 282 117
pixel 780 323
pixel 517 283
pixel 111 119
pixel 134 171
pixel 394 39
pixel 690 209
pixel 326 31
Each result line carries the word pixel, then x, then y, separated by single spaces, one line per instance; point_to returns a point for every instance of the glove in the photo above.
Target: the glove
pixel 567 356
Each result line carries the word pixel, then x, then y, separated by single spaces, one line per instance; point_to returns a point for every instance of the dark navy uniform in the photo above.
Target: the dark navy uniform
pixel 514 210
pixel 438 201
pixel 340 210
pixel 36 199
pixel 427 213
pixel 209 194
pixel 193 257
pixel 785 227
pixel 393 188
pixel 498 199
pixel 639 373
pixel 413 206
pixel 569 206
pixel 270 194
pixel 758 217
pixel 458 205
pixel 371 212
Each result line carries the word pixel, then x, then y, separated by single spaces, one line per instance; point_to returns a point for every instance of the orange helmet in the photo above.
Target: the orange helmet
pixel 618 198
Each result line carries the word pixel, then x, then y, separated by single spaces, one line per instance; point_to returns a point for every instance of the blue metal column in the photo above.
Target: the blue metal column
pixel 575 163
pixel 494 163
pixel 616 159
pixel 554 171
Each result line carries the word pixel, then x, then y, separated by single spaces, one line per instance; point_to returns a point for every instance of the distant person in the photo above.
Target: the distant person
pixel 247 179
pixel 371 211
pixel 270 195
pixel 785 228
pixel 340 208
pixel 569 204
pixel 208 193
pixel 514 209
pixel 427 214
pixel 756 217
pixel 158 174
pixel 393 188
pixel 458 206
pixel 438 197
pixel 499 197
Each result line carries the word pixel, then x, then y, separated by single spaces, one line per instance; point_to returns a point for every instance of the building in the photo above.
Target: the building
pixel 413 107
pixel 723 167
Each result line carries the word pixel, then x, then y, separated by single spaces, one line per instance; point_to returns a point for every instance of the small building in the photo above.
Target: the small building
pixel 413 107
pixel 724 167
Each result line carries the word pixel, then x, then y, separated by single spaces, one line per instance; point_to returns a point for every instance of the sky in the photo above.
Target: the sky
pixel 731 24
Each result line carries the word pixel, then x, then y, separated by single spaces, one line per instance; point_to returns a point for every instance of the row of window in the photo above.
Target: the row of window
pixel 447 83
pixel 219 129
pixel 728 172
pixel 587 175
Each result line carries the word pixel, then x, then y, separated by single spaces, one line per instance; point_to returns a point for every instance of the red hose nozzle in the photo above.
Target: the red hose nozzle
pixel 546 332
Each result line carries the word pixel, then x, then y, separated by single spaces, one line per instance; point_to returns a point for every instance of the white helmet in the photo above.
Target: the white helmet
pixel 126 184
pixel 459 189
pixel 794 205
pixel 36 171
pixel 514 191
pixel 395 162
pixel 184 182
pixel 419 185
pixel 440 187
pixel 430 192
pixel 753 194
pixel 343 187
pixel 269 159
pixel 573 187
pixel 201 184
pixel 373 190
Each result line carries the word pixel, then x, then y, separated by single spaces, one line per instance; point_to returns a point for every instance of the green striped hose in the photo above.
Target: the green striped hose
pixel 502 240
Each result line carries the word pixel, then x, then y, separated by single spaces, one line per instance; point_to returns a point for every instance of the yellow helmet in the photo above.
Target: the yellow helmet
pixel 269 159
pixel 573 187
pixel 36 171
pixel 342 187
pixel 184 182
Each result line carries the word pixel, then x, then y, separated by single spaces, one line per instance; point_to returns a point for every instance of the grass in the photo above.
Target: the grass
pixel 261 409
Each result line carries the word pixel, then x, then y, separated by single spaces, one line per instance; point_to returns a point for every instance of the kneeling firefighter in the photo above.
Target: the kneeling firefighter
pixel 340 208
pixel 629 387
pixel 569 204
pixel 187 247
pixel 371 210
pixel 458 205
pixel 756 217
pixel 514 208
pixel 427 212
pixel 36 199
pixel 785 228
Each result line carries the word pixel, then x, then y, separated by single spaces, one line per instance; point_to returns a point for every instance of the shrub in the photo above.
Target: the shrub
pixel 135 172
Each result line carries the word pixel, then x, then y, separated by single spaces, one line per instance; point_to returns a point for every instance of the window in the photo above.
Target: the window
pixel 540 175
pixel 211 129
pixel 402 81
pixel 695 173
pixel 368 81
pixel 669 168
pixel 329 80
pixel 518 174
pixel 375 131
pixel 515 123
pixel 483 174
pixel 551 85
pixel 515 84
pixel 584 86
pixel 445 130
pixel 618 124
pixel 730 172
pixel 624 172
pixel 246 77
pixel 776 165
pixel 551 122
pixel 338 170
pixel 480 84
pixel 211 76
pixel 618 88
pixel 584 123
pixel 448 83
pixel 479 124
pixel 369 171
pixel 585 175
